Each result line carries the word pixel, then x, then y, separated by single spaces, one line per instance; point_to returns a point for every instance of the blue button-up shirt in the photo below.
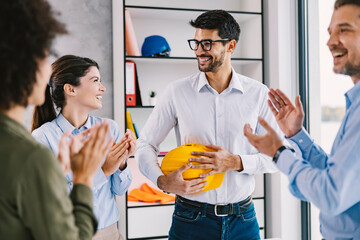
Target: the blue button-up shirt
pixel 104 188
pixel 331 182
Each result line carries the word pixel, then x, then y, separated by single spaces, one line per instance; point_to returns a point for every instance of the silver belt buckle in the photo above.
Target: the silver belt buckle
pixel 219 215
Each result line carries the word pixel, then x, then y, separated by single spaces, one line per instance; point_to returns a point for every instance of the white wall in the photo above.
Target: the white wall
pixel 89 25
pixel 280 26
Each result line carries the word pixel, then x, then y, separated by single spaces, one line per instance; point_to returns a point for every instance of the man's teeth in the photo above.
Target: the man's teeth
pixel 338 54
pixel 203 59
pixel 99 97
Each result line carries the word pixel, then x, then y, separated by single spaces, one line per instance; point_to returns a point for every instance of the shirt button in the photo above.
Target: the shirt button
pixel 300 141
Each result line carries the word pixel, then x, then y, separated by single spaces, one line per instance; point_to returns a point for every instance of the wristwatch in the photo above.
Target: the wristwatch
pixel 279 151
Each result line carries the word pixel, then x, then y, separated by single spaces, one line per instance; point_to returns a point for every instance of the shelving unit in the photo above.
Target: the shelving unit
pixel 170 19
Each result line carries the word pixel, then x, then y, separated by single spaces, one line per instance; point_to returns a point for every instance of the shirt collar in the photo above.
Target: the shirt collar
pixel 65 125
pixel 352 95
pixel 235 82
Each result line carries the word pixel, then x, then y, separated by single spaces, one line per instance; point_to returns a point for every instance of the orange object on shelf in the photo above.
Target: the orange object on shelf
pixel 165 198
pixel 149 195
pixel 132 47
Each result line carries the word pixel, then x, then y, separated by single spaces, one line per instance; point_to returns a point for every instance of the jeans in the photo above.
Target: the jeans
pixel 190 224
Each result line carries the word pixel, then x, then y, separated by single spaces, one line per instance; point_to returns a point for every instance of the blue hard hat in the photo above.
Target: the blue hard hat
pixel 155 45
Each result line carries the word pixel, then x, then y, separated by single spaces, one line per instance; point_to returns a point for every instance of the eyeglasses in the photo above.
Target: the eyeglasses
pixel 205 44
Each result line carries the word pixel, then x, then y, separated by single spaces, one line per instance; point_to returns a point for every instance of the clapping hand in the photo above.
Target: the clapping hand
pixel 289 118
pixel 68 148
pixel 87 161
pixel 267 144
pixel 119 153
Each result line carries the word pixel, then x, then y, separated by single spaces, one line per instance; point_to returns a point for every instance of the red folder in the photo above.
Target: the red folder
pixel 130 83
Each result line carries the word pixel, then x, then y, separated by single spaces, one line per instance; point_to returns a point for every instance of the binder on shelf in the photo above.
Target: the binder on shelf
pixel 133 96
pixel 137 89
pixel 130 83
pixel 129 123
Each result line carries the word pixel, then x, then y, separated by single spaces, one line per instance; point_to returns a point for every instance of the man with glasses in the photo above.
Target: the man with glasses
pixel 210 107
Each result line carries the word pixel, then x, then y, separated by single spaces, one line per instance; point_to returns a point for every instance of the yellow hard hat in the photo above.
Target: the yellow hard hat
pixel 179 156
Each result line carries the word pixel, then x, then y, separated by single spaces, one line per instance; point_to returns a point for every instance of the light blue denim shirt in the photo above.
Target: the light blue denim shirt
pixel 104 188
pixel 331 182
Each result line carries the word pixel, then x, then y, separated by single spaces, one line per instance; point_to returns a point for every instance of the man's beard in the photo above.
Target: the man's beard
pixel 213 66
pixel 349 69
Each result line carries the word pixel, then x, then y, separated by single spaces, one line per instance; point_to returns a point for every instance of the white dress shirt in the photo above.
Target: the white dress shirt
pixel 201 115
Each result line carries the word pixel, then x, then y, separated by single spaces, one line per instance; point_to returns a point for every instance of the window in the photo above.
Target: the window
pixel 326 89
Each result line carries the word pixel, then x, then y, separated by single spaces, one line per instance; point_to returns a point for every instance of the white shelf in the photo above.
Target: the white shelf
pixel 143 204
pixel 168 23
pixel 260 211
pixel 183 15
pixel 139 117
pixel 259 191
pixel 149 222
pixel 138 180
pixel 228 5
pixel 155 74
pixel 181 60
pixel 170 19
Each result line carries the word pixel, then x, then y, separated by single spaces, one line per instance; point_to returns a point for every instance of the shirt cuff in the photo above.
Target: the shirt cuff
pixel 249 163
pixel 123 173
pixel 285 161
pixel 155 174
pixel 302 139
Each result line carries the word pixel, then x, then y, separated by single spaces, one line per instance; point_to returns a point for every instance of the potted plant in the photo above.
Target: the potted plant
pixel 152 98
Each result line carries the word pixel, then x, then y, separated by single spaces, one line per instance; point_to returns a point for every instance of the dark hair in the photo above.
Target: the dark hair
pixel 66 70
pixel 27 28
pixel 220 20
pixel 340 3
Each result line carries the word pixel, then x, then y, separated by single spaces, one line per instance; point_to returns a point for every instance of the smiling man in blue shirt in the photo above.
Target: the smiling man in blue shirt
pixel 329 181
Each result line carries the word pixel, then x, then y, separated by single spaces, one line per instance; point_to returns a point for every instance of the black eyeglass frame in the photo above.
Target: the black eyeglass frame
pixel 205 40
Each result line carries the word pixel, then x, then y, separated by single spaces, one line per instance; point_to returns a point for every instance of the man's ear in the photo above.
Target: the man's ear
pixel 231 45
pixel 69 89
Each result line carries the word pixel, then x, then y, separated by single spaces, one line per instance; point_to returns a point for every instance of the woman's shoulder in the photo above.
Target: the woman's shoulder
pixel 45 129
